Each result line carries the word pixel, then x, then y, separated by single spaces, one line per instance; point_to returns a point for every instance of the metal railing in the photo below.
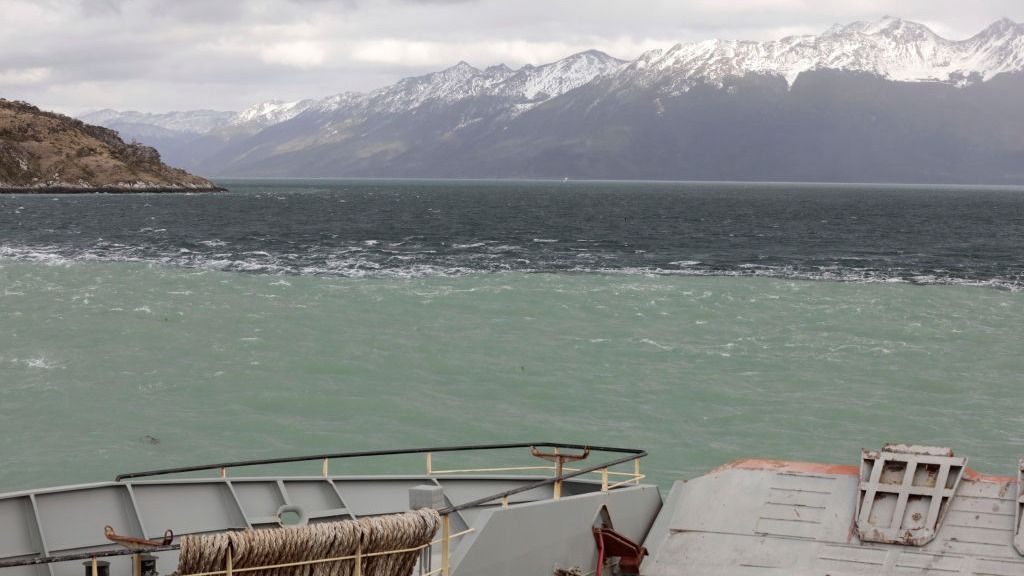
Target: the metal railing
pixel 562 474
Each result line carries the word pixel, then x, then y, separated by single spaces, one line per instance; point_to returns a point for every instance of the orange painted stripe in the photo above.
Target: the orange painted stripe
pixel 790 466
pixel 837 469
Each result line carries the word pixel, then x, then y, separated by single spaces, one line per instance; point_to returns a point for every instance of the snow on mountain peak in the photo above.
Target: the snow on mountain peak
pixel 190 121
pixel 271 112
pixel 529 85
pixel 1000 28
pixel 891 47
pixel 539 83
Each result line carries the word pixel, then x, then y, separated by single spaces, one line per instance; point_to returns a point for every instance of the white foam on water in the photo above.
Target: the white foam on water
pixel 656 344
pixel 37 362
pixel 503 248
pixel 493 258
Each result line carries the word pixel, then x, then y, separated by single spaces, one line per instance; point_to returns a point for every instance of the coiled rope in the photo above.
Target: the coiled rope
pixel 299 547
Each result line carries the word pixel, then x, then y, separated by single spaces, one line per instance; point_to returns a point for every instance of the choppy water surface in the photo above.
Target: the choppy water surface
pixel 410 228
pixel 374 315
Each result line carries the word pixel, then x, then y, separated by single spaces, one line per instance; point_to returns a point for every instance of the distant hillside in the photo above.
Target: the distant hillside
pixel 885 101
pixel 43 152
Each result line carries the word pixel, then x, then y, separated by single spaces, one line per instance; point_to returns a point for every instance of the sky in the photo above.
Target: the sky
pixel 74 56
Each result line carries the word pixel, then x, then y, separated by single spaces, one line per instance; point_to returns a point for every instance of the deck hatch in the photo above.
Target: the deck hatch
pixel 905 492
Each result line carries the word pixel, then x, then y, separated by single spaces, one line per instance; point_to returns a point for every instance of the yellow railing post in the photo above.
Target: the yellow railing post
pixel 223 472
pixel 430 463
pixel 604 479
pixel 559 466
pixel 504 502
pixel 137 565
pixel 227 563
pixel 359 560
pixel 446 541
pixel 636 470
pixel 95 567
pixel 325 468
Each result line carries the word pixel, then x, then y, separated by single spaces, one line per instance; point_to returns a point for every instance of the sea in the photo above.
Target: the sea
pixel 703 322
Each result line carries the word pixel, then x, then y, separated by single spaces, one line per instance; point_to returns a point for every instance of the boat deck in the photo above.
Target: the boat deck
pixel 485 510
pixel 763 518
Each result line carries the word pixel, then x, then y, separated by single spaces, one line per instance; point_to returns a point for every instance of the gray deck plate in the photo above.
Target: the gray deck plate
pixel 764 518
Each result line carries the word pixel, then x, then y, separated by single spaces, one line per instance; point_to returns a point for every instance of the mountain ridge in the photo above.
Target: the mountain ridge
pixel 475 115
pixel 858 46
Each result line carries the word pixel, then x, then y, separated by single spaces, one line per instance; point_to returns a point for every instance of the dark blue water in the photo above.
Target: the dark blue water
pixel 408 228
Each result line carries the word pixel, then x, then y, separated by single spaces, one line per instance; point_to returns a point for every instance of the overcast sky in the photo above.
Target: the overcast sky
pixel 161 55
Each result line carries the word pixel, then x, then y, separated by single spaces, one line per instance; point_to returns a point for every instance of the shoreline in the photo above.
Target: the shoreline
pixel 109 190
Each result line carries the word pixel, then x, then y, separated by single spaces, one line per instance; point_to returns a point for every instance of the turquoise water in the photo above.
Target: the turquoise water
pixel 95 357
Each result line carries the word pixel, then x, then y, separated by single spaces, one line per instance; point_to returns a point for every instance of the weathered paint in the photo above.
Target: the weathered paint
pixel 775 517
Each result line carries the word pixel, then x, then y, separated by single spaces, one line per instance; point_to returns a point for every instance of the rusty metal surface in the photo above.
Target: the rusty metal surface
pixel 611 544
pixel 136 543
pixel 559 458
pixel 905 492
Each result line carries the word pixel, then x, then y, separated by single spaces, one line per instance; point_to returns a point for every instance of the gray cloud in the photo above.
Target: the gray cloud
pixel 154 55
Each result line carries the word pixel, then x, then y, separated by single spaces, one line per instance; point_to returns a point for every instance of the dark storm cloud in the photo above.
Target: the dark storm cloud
pixel 157 55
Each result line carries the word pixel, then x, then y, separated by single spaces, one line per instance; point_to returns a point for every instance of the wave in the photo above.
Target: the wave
pixel 474 258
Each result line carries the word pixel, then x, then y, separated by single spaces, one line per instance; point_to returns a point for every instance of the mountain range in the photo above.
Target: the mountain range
pixel 887 100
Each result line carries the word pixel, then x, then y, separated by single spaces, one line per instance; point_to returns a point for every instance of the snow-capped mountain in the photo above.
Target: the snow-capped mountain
pixel 526 87
pixel 256 116
pixel 270 112
pixel 536 84
pixel 191 121
pixel 892 48
pixel 887 100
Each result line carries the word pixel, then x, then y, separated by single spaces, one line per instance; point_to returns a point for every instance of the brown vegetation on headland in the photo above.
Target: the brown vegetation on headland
pixel 47 152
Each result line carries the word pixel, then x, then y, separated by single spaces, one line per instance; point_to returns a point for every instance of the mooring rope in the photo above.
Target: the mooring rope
pixel 370 537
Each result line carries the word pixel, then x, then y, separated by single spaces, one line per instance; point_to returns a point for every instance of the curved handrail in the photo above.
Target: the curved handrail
pixel 630 455
pixel 369 453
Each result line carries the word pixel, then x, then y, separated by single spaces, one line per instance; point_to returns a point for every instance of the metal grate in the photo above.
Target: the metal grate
pixel 905 492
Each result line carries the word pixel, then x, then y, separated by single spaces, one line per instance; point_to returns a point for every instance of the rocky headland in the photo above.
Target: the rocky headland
pixel 45 152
